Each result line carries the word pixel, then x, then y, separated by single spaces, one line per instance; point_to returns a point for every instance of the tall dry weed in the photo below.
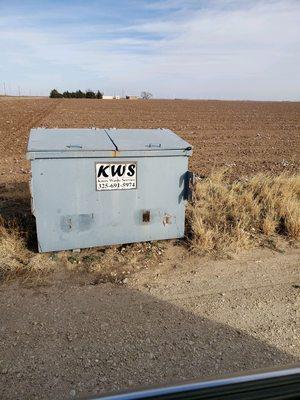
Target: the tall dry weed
pixel 227 215
pixel 15 259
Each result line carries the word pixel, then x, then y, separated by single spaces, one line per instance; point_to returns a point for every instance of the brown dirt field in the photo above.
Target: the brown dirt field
pixel 247 136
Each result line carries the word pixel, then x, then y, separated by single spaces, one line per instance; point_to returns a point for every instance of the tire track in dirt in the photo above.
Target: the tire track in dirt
pixel 25 125
pixel 17 117
pixel 45 114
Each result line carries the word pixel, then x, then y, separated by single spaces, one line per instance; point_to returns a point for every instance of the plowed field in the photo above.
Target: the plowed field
pixel 247 136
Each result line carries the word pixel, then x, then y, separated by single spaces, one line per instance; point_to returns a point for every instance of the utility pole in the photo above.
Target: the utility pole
pixel 19 91
pixel 4 87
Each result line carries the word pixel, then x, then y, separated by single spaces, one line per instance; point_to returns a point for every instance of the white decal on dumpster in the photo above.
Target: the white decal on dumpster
pixel 110 176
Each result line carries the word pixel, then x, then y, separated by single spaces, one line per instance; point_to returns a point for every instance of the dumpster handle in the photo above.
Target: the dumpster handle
pixel 74 146
pixel 153 145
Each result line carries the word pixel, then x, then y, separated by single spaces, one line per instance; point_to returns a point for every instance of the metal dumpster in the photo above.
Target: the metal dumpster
pixel 94 187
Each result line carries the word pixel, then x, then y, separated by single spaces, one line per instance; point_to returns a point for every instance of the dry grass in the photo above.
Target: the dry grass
pixel 16 260
pixel 12 253
pixel 227 215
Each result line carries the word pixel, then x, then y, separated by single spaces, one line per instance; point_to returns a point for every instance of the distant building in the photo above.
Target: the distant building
pixel 130 97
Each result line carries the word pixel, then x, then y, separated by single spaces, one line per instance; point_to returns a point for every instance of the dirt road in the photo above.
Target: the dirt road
pixel 186 318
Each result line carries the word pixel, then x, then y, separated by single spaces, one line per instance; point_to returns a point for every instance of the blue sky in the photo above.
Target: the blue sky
pixel 225 49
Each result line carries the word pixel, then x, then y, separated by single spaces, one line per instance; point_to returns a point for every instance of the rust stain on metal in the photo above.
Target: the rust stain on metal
pixel 115 153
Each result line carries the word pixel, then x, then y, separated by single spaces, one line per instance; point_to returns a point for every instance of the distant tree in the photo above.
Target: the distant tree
pixel 146 95
pixel 79 94
pixel 99 95
pixel 90 94
pixel 54 94
pixel 67 94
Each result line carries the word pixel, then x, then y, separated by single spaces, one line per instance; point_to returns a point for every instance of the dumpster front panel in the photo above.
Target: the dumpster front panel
pixel 71 213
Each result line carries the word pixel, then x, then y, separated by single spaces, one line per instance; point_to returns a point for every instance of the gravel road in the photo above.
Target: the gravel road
pixel 170 323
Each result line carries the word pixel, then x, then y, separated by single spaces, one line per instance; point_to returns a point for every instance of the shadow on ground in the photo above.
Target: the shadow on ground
pixel 94 339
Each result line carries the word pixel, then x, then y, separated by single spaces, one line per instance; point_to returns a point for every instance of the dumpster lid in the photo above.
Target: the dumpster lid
pixel 146 140
pixel 43 139
pixel 45 143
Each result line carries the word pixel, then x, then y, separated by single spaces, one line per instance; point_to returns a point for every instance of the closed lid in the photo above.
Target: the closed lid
pixel 146 139
pixel 68 140
pixel 43 139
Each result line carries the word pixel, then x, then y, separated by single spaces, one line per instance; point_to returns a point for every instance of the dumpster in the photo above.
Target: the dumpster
pixel 95 187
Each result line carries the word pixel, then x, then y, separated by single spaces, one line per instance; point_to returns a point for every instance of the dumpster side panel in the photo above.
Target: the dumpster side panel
pixel 70 212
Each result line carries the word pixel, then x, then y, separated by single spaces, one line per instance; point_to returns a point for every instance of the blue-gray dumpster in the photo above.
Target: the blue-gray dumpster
pixel 95 187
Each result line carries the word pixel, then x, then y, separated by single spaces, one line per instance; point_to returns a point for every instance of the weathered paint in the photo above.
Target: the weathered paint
pixel 70 213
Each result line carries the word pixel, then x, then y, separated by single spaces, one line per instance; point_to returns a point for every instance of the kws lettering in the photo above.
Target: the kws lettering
pixel 116 176
pixel 107 170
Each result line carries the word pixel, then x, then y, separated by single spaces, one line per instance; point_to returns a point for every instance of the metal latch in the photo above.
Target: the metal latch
pixel 189 183
pixel 146 216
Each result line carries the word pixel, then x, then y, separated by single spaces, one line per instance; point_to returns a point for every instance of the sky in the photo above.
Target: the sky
pixel 207 49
